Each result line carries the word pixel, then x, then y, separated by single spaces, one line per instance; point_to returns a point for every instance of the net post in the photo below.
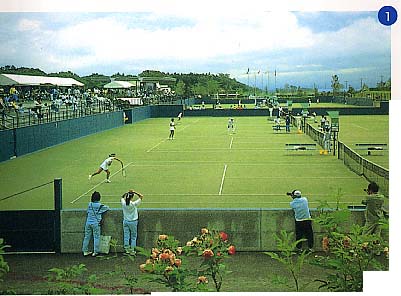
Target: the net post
pixel 57 214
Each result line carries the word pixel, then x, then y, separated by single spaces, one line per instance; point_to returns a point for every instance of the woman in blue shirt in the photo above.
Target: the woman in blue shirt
pixel 92 225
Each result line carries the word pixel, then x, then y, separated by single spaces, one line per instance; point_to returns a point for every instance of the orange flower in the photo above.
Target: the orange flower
pixel 325 244
pixel 223 236
pixel 207 253
pixel 177 262
pixel 202 280
pixel 172 258
pixel 163 237
pixel 231 250
pixel 204 231
pixel 164 256
pixel 142 267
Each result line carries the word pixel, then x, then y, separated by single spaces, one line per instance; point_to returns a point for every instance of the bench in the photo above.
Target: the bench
pixel 278 128
pixel 370 147
pixel 300 147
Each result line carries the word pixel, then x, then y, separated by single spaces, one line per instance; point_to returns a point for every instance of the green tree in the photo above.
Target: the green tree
pixel 180 88
pixel 336 85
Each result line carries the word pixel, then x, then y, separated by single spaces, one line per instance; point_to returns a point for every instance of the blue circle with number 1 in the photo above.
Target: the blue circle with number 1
pixel 387 15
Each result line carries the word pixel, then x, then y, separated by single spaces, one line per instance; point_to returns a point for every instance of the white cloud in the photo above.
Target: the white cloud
pixel 210 36
pixel 28 25
pixel 195 41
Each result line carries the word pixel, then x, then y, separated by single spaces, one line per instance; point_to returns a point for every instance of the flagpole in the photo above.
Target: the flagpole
pixel 249 91
pixel 254 84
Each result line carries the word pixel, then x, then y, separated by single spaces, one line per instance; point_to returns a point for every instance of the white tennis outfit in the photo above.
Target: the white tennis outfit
pixel 106 163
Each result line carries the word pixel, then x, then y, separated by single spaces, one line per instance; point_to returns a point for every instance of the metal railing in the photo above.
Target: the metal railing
pixel 355 162
pixel 15 118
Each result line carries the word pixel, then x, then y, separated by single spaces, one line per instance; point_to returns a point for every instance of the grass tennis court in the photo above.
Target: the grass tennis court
pixel 203 167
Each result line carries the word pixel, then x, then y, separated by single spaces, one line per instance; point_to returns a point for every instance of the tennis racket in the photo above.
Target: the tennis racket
pixel 123 170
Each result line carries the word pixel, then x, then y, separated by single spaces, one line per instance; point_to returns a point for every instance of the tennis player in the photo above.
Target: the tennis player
pixel 105 167
pixel 172 129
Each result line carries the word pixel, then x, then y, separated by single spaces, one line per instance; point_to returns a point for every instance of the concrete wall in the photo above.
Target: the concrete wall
pixel 248 229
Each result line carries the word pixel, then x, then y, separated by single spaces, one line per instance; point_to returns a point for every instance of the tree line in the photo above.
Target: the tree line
pixel 186 84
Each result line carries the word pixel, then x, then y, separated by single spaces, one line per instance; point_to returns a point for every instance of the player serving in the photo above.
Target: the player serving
pixel 105 166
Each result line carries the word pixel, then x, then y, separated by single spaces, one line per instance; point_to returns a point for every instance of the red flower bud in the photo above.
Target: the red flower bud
pixel 223 236
pixel 231 250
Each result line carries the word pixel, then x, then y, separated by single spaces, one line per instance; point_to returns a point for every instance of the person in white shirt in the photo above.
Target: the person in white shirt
pixel 230 125
pixel 172 129
pixel 130 220
pixel 104 166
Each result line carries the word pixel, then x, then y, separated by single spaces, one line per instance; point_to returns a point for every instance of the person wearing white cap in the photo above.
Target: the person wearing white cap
pixel 303 220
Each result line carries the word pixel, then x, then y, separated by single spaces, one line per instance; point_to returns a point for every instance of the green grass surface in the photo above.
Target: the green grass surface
pixel 203 167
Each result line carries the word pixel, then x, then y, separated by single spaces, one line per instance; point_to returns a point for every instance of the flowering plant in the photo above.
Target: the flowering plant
pixel 166 261
pixel 213 246
pixel 348 252
pixel 164 264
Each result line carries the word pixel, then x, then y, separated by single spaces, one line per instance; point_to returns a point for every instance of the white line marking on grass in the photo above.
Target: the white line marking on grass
pixel 156 145
pixel 219 149
pixel 295 177
pixel 189 125
pixel 231 143
pixel 361 127
pixel 225 202
pixel 222 179
pixel 155 163
pixel 98 184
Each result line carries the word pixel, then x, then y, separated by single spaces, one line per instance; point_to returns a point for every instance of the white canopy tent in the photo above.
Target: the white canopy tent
pixel 119 84
pixel 21 80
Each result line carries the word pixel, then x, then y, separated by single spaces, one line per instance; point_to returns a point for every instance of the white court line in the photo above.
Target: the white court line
pixel 219 149
pixel 98 184
pixel 149 150
pixel 361 127
pixel 156 145
pixel 229 194
pixel 222 179
pixel 224 202
pixel 295 177
pixel 231 143
pixel 238 163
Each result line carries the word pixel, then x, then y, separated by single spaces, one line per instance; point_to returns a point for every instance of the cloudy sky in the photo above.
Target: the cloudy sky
pixel 305 48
